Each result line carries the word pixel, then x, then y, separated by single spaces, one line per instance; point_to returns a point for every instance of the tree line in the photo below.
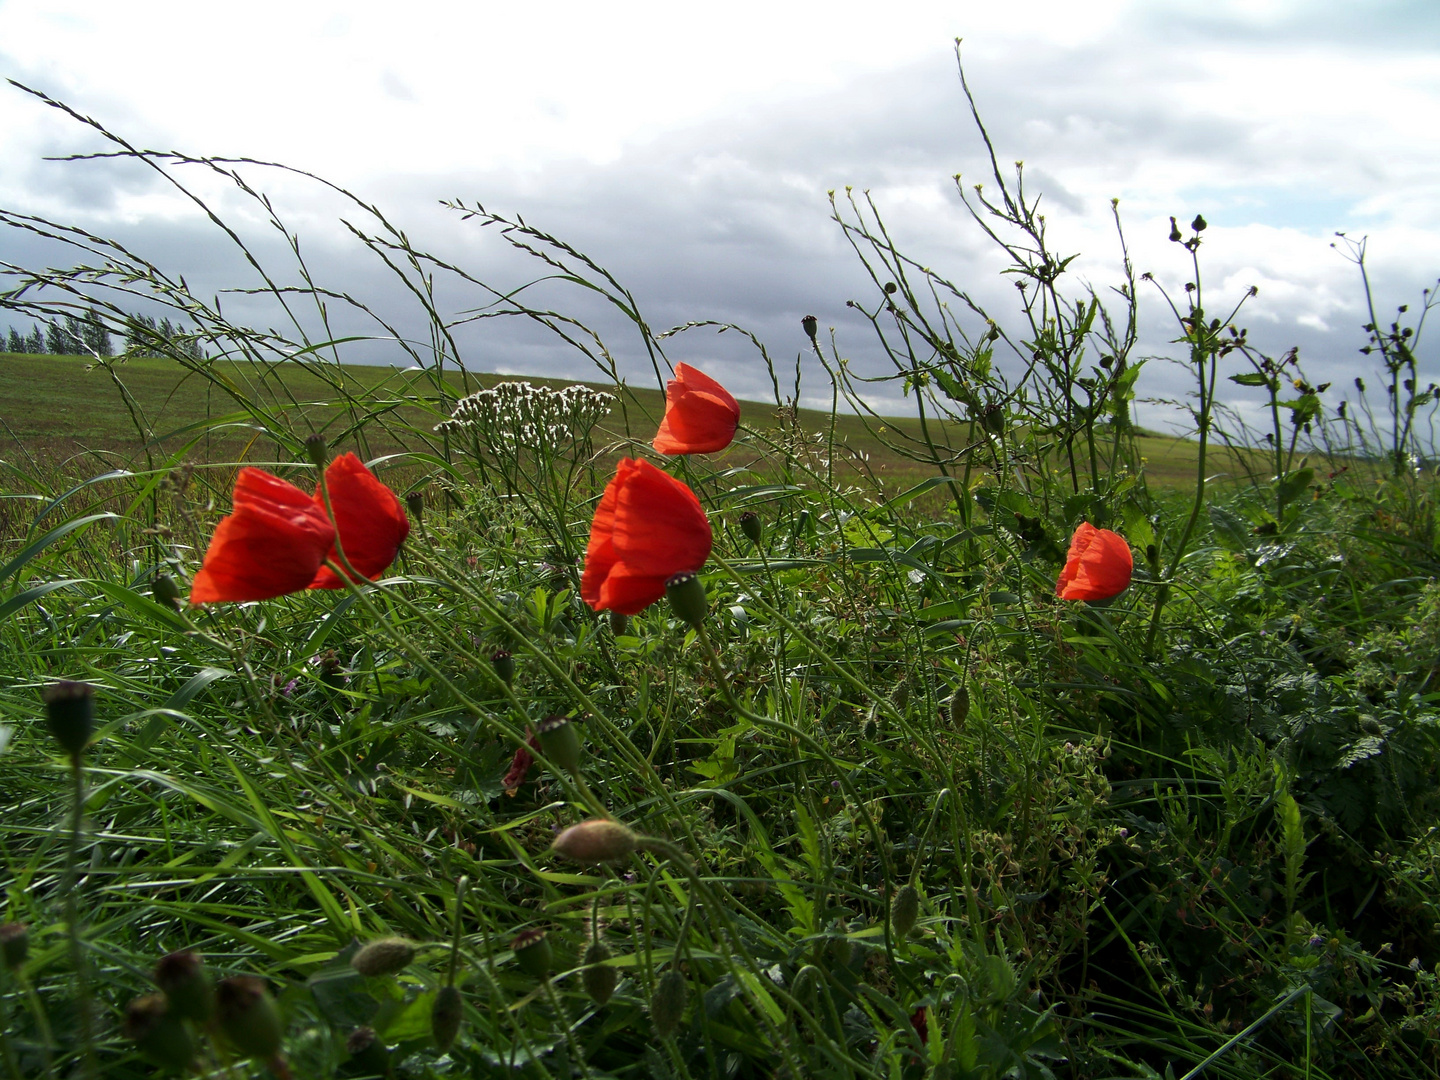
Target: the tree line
pixel 89 335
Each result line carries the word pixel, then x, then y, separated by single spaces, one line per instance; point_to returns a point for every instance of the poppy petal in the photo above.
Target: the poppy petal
pixel 700 415
pixel 370 519
pixel 1098 566
pixel 647 528
pixel 271 544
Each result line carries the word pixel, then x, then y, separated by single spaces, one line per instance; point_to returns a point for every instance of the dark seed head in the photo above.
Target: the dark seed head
pixel 667 1006
pixel 70 714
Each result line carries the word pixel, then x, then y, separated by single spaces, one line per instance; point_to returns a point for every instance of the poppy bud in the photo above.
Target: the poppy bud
pixel 317 450
pixel 504 665
pixel 750 525
pixel 415 503
pixel 187 985
pixel 810 325
pixel 687 597
pixel 599 978
pixel 165 591
pixel 993 419
pixel 806 984
pixel 1359 384
pixel 1198 224
pixel 445 1017
pixel 14 944
pixel 619 623
pixel 533 954
pixel 598 840
pixel 667 1006
pixel 1174 232
pixel 959 707
pixel 159 1033
pixel 248 1016
pixel 385 956
pixel 70 714
pixel 367 1052
pixel 559 741
pixel 904 910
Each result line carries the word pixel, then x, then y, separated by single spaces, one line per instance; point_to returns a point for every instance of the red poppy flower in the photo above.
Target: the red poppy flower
pixel 1098 566
pixel 700 414
pixel 648 528
pixel 371 521
pixel 273 542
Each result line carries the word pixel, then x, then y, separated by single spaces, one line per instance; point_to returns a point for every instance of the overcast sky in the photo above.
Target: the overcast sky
pixel 689 150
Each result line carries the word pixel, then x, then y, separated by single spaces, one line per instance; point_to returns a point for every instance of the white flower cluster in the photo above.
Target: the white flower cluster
pixel 514 415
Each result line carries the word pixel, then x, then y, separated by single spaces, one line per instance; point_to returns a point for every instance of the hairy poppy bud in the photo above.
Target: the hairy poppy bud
pixel 750 525
pixel 993 419
pixel 187 985
pixel 159 1033
pixel 14 944
pixel 599 978
pixel 891 288
pixel 70 714
pixel 619 623
pixel 811 325
pixel 959 707
pixel 504 665
pixel 317 450
pixel 248 1017
pixel 367 1051
pixel 1198 224
pixel 384 956
pixel 687 598
pixel 598 840
pixel 805 985
pixel 904 910
pixel 445 1017
pixel 1174 232
pixel 559 741
pixel 165 591
pixel 533 954
pixel 667 1006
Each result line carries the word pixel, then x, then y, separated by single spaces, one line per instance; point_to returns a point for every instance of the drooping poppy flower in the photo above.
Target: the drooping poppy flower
pixel 648 528
pixel 272 543
pixel 700 414
pixel 520 765
pixel 1098 566
pixel 370 519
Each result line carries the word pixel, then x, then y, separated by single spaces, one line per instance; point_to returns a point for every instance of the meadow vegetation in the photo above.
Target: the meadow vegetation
pixel 874 802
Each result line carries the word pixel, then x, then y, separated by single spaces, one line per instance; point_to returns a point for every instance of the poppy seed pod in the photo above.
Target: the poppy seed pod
pixel 70 714
pixel 686 594
pixel 810 325
pixel 367 1051
pixel 504 665
pixel 533 954
pixel 598 840
pixel 559 741
pixel 415 503
pixel 384 956
pixel 751 526
pixel 599 978
pixel 1098 566
pixel 667 1005
pixel 247 1015
pixel 445 1017
pixel 165 591
pixel 159 1033
pixel 904 910
pixel 14 945
pixel 700 415
pixel 317 450
pixel 1199 223
pixel 187 985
